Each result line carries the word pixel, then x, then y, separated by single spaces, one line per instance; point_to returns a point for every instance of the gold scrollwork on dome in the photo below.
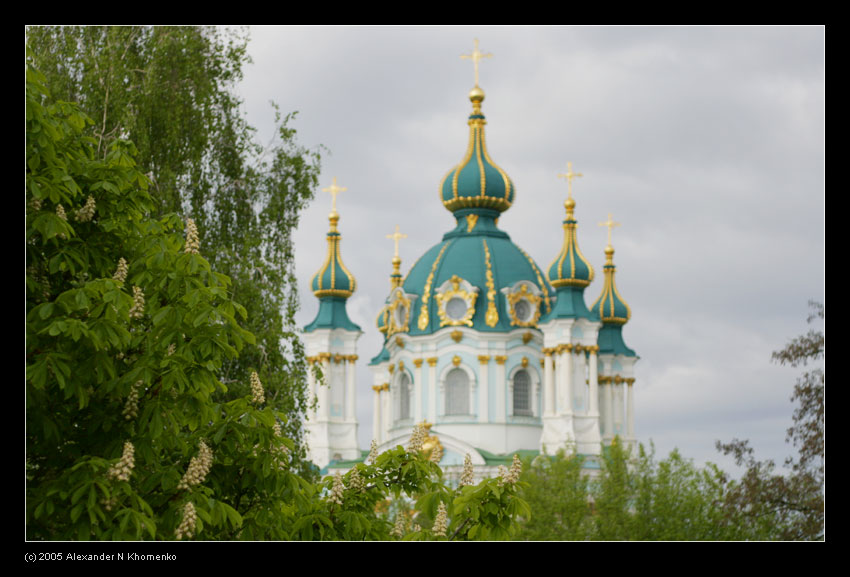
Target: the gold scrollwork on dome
pixel 523 304
pixel 456 302
pixel 471 219
pixel 426 293
pixel 398 313
pixel 492 316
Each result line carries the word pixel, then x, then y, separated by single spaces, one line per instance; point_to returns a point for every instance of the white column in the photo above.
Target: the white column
pixel 548 384
pixel 386 412
pixel 609 407
pixel 567 381
pixel 579 375
pixel 484 387
pixel 376 414
pixel 618 403
pixel 432 390
pixel 630 409
pixel 500 388
pixel 417 391
pixel 593 389
pixel 349 387
pixel 323 390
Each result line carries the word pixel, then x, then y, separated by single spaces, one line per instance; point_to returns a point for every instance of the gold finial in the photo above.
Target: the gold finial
pixel 396 236
pixel 334 190
pixel 610 224
pixel 476 57
pixel 570 175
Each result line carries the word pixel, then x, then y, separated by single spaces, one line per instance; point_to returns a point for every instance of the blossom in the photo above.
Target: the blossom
pixel 373 453
pixel 121 273
pixel 257 389
pixel 131 407
pixel 60 212
pixel 466 477
pixel 137 311
pixel 86 213
pixel 510 477
pixel 193 243
pixel 400 526
pixel 441 521
pixel 121 470
pixel 188 524
pixel 416 439
pixel 436 454
pixel 199 466
pixel 171 348
pixel 355 481
pixel 35 204
pixel 336 491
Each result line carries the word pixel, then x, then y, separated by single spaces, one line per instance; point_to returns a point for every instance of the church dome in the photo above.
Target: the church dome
pixel 333 278
pixel 477 182
pixel 476 277
pixel 570 268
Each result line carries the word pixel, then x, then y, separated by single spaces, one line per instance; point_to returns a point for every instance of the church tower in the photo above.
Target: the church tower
pixel 616 360
pixel 570 331
pixel 331 346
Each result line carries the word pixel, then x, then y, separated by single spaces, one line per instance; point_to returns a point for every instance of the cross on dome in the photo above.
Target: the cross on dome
pixel 476 57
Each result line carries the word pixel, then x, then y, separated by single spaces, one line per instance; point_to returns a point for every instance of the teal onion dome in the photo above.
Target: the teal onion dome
pixel 333 279
pixel 610 306
pixel 570 268
pixel 477 182
pixel 613 312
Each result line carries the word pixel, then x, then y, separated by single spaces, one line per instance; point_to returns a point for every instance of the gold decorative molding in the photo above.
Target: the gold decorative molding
pixel 338 358
pixel 391 368
pixel 630 381
pixel 377 388
pixel 457 335
pixel 471 219
pixel 527 337
pixel 456 361
pixel 385 387
pixel 399 301
pixel 546 298
pixel 542 363
pixel 401 365
pixel 578 349
pixel 501 359
pixel 352 358
pixel 324 357
pixel 399 342
pixel 432 361
pixel 524 362
pixel 548 351
pixel 492 316
pixel 417 363
pixel 426 292
pixel 483 359
pixel 618 379
pixel 468 296
pixel 533 300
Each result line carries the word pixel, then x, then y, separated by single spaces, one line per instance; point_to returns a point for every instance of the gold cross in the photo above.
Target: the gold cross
pixel 396 236
pixel 610 224
pixel 334 190
pixel 570 175
pixel 476 57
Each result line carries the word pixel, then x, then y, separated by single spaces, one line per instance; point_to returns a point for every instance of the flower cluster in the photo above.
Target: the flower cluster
pixel 336 491
pixel 441 521
pixel 35 204
pixel 416 439
pixel 193 243
pixel 131 407
pixel 437 454
pixel 86 213
pixel 257 389
pixel 137 311
pixel 373 453
pixel 121 272
pixel 466 478
pixel 60 212
pixel 199 466
pixel 280 453
pixel 355 481
pixel 171 348
pixel 400 526
pixel 510 477
pixel 188 524
pixel 121 470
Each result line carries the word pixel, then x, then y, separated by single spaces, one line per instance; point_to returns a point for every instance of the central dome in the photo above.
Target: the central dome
pixel 476 277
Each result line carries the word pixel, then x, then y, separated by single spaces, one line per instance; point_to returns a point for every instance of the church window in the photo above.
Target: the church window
pixel 456 308
pixel 404 397
pixel 457 392
pixel 523 310
pixel 522 394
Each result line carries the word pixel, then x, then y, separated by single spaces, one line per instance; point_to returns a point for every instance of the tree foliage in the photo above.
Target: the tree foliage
pixel 794 502
pixel 129 434
pixel 172 92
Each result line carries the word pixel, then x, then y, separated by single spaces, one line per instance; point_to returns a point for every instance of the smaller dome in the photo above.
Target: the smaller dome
pixel 333 279
pixel 477 182
pixel 610 306
pixel 570 268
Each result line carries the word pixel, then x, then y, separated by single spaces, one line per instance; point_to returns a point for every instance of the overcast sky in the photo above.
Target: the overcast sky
pixel 707 144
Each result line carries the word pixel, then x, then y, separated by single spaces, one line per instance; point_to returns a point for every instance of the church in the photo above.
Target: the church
pixel 492 353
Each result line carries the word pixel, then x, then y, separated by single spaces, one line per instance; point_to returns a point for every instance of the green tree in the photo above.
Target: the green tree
pixel 172 91
pixel 128 328
pixel 793 503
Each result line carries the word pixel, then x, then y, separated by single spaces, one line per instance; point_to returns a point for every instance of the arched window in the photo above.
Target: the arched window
pixel 457 392
pixel 404 397
pixel 522 394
